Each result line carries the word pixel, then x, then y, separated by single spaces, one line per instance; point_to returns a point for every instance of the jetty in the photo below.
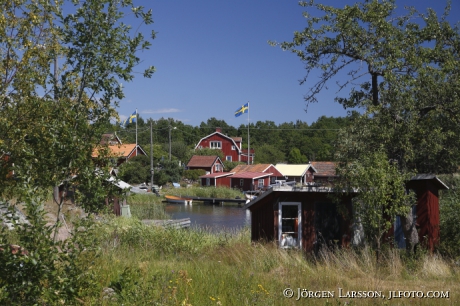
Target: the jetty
pixel 177 223
pixel 217 200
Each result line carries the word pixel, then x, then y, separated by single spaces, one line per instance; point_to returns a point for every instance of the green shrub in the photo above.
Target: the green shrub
pixel 449 206
pixel 194 174
pixel 44 272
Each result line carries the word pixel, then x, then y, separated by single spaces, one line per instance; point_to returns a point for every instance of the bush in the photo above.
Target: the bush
pixel 449 205
pixel 44 272
pixel 194 175
pixel 136 170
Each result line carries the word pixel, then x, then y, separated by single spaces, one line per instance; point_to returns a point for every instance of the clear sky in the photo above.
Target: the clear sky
pixel 212 56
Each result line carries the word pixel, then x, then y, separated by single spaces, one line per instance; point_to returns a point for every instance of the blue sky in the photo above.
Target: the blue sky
pixel 212 56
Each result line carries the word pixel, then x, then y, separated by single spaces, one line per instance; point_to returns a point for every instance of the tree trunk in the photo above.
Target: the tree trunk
pixel 410 231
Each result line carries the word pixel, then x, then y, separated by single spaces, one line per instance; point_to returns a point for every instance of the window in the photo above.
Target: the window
pixel 233 148
pixel 289 224
pixel 208 181
pixel 215 145
pixel 218 167
pixel 241 182
pixel 200 147
pixel 261 183
pixel 228 158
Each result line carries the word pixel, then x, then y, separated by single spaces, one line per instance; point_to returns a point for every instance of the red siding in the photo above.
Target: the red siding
pixel 264 217
pixel 428 218
pixel 248 185
pixel 218 182
pixel 226 145
pixel 223 181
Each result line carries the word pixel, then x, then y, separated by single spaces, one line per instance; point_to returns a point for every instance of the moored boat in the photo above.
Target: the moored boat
pixel 178 200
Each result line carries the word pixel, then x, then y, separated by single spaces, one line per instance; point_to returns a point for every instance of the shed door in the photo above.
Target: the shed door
pixel 290 224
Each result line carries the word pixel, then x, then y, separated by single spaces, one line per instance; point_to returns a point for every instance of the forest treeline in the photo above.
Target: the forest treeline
pixel 294 142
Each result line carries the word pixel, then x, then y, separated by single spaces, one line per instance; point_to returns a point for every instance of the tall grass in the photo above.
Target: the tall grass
pixel 148 265
pixel 206 192
pixel 147 206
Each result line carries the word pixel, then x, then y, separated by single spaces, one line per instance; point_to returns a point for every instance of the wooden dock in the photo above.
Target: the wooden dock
pixel 217 200
pixel 177 223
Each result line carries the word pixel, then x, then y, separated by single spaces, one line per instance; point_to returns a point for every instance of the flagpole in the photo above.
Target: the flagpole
pixel 136 131
pixel 248 135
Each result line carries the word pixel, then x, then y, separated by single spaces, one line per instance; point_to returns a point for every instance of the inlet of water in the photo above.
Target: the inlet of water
pixel 215 217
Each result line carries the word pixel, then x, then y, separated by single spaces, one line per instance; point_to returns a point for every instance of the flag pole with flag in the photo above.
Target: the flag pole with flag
pixel 135 118
pixel 132 118
pixel 244 109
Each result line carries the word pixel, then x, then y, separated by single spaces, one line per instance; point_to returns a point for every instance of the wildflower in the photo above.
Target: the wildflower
pixel 212 299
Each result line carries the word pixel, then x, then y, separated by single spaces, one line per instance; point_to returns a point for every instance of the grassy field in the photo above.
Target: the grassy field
pixel 206 192
pixel 155 266
pixel 147 265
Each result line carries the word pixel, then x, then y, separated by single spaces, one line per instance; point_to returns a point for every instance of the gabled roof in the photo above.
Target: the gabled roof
pixel 324 168
pixel 255 168
pixel 124 150
pixel 251 175
pixel 203 161
pixel 294 170
pixel 427 177
pixel 238 139
pixel 218 133
pixel 251 168
pixel 217 175
pixel 110 139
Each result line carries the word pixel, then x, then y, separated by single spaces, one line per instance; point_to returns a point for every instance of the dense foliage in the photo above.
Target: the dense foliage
pixel 50 123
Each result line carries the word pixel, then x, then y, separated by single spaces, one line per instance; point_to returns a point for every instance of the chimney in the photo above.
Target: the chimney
pixel 219 130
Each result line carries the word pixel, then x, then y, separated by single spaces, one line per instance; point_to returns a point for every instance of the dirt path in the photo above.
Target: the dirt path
pixel 63 232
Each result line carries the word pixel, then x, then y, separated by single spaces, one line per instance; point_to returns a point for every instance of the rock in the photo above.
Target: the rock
pixel 11 216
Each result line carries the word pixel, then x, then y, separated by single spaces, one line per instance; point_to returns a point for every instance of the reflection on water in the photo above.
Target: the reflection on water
pixel 211 216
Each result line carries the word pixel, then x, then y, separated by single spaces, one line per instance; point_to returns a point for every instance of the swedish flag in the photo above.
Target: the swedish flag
pixel 243 109
pixel 131 119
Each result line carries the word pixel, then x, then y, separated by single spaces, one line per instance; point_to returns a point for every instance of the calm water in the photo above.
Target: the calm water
pixel 211 216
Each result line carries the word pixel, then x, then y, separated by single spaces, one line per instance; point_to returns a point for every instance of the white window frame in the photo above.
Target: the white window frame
pixel 215 144
pixel 261 183
pixel 284 242
pixel 218 167
pixel 228 158
pixel 233 148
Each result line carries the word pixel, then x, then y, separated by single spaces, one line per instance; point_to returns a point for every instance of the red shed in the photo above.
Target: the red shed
pixel 250 180
pixel 426 187
pixel 301 217
pixel 216 179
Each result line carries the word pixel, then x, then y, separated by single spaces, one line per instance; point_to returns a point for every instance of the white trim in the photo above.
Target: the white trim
pixel 225 136
pixel 281 241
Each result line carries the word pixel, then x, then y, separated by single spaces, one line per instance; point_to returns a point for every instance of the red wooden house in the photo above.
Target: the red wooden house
pixel 122 153
pixel 230 146
pixel 265 168
pixel 324 171
pixel 211 164
pixel 250 180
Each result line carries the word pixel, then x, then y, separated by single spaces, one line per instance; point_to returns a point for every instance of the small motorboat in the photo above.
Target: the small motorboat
pixel 178 200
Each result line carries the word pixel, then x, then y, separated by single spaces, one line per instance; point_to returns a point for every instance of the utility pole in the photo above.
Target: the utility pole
pixel 170 143
pixel 151 157
pixel 170 128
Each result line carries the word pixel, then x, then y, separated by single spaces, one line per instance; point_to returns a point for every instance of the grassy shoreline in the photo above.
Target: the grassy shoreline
pixel 149 265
